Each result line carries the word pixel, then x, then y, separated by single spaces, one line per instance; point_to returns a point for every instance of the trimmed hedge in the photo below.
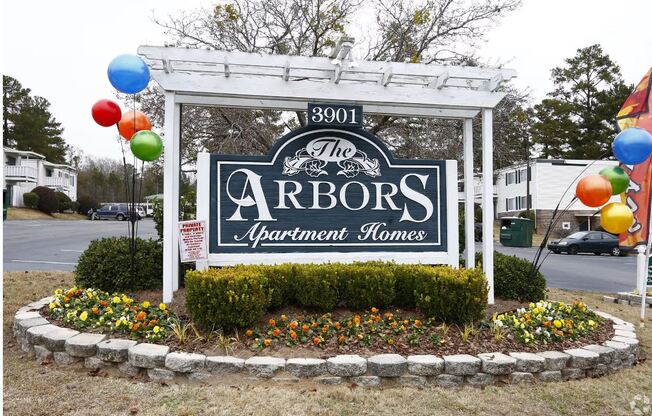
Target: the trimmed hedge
pixel 512 278
pixel 226 298
pixel 65 203
pixel 106 265
pixel 30 199
pixel 47 199
pixel 231 297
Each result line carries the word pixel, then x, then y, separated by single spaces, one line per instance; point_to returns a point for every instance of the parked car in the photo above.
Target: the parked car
pixel 596 242
pixel 118 212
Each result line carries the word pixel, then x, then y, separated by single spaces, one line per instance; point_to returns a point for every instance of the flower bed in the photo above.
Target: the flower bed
pixel 114 313
pixel 47 342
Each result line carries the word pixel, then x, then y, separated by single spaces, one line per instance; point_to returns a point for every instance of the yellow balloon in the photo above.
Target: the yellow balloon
pixel 616 217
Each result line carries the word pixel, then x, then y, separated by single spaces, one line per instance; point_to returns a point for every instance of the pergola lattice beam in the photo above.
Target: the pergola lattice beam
pixel 286 82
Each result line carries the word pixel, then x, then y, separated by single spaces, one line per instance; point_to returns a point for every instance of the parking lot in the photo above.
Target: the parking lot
pixel 57 244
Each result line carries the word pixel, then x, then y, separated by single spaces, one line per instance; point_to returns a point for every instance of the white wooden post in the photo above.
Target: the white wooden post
pixel 469 217
pixel 488 201
pixel 171 168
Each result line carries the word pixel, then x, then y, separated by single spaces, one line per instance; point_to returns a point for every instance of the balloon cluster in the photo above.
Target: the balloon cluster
pixel 631 147
pixel 129 74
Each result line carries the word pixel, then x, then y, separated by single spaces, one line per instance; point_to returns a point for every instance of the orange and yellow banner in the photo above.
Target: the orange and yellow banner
pixel 635 112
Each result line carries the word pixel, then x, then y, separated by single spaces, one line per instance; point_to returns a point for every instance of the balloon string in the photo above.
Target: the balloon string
pixel 126 176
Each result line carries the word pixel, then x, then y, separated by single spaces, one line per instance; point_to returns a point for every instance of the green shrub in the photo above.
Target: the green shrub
pixel 315 286
pixel 451 295
pixel 106 265
pixel 65 203
pixel 74 206
pixel 47 199
pixel 278 282
pixel 157 216
pixel 512 279
pixel 86 203
pixel 405 275
pixel 30 199
pixel 227 297
pixel 364 285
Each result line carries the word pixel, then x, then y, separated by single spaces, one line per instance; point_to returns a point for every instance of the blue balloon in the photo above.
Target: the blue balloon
pixel 128 73
pixel 632 146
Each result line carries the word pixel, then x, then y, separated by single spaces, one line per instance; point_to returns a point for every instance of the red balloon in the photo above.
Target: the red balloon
pixel 594 190
pixel 106 113
pixel 130 124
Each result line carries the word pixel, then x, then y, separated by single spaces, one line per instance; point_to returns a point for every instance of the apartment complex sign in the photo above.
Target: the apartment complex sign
pixel 328 194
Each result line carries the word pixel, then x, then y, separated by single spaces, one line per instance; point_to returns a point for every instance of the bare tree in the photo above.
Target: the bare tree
pixel 430 31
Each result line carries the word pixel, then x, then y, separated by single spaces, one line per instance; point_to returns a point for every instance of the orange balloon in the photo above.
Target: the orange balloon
pixel 130 124
pixel 593 191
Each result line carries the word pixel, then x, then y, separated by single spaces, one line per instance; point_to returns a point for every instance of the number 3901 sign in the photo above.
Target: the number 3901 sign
pixel 334 115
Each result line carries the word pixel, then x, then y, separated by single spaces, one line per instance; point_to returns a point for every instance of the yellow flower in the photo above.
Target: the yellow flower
pixel 591 322
pixel 146 304
pixel 156 329
pixel 162 306
pixel 109 310
pixel 52 305
pixel 116 299
pixel 58 292
pixel 83 316
pixel 557 323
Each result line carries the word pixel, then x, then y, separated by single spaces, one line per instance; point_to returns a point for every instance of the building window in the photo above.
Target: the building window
pixel 510 178
pixel 48 173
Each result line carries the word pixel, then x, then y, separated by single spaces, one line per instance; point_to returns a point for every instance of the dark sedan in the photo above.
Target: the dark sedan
pixel 596 242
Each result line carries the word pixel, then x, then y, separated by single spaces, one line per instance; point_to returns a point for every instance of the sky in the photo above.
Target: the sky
pixel 61 49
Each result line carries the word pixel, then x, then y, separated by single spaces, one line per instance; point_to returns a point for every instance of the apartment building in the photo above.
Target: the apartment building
pixel 25 170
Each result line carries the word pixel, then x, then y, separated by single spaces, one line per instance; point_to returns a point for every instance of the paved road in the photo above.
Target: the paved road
pixel 57 244
pixel 583 271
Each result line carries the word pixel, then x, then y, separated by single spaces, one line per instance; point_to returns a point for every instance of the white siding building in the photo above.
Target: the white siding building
pixel 549 178
pixel 25 170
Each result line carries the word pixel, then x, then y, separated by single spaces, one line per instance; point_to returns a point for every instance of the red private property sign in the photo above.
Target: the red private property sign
pixel 192 241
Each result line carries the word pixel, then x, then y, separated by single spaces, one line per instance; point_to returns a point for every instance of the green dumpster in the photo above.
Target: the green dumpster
pixel 516 232
pixel 5 203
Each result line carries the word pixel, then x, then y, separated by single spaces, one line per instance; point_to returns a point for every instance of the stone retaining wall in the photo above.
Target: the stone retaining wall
pixel 47 342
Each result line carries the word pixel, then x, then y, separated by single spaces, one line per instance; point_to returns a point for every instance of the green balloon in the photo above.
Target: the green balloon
pixel 146 145
pixel 617 177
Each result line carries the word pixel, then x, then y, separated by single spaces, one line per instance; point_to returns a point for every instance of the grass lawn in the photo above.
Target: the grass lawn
pixel 34 389
pixel 34 214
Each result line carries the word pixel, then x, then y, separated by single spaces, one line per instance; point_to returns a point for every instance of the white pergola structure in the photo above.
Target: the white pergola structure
pixel 282 82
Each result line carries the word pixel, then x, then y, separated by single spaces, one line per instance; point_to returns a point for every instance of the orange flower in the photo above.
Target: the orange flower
pixel 316 341
pixel 313 325
pixel 341 339
pixel 417 323
pixel 66 299
pixel 103 303
pixel 70 293
pixel 393 325
pixel 325 329
pixel 293 325
pixel 305 328
pixel 135 308
pixel 141 316
pixel 374 310
pixel 95 310
pixel 136 326
pixel 152 322
pixel 276 332
pixel 267 342
pixel 356 320
pixel 249 333
pixel 338 325
pixel 293 335
pixel 272 322
pixel 284 318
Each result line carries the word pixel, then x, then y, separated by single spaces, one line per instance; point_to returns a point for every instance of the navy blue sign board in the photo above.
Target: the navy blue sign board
pixel 328 194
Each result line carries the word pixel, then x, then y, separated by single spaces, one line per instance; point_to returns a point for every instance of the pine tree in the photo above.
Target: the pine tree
pixel 29 124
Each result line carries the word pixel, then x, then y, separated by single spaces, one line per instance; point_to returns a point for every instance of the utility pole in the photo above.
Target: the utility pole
pixel 527 175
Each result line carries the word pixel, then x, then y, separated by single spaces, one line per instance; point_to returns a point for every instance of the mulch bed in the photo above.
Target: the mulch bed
pixel 238 345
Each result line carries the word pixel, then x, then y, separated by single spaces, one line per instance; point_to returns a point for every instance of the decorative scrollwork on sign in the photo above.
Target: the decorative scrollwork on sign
pixel 351 167
pixel 303 162
pixel 359 163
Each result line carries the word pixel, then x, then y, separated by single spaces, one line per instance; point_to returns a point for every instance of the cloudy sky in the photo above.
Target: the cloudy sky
pixel 60 49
